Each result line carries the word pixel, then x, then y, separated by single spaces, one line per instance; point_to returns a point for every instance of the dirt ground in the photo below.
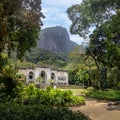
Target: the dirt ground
pixel 100 110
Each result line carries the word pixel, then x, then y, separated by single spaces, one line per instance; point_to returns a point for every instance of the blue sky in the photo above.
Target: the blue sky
pixel 55 12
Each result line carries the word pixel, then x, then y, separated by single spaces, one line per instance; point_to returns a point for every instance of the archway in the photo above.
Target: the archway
pixel 43 76
pixel 53 76
pixel 31 75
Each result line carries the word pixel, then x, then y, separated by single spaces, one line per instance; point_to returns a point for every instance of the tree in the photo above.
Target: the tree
pixel 81 67
pixel 105 17
pixel 78 53
pixel 20 23
pixel 91 13
pixel 104 45
pixel 46 58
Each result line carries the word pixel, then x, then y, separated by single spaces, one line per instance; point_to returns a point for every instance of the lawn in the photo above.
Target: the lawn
pixel 75 92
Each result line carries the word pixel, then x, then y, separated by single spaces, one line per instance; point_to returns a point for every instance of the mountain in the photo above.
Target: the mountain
pixel 55 39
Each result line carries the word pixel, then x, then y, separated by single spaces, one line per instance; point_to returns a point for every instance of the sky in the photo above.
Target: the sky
pixel 55 13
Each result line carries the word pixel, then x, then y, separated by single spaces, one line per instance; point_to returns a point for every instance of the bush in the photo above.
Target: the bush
pixel 90 88
pixel 50 96
pixel 9 80
pixel 36 112
pixel 105 95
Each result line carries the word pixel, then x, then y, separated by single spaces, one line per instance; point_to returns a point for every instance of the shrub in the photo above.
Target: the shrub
pixel 9 81
pixel 36 112
pixel 90 88
pixel 50 96
pixel 105 95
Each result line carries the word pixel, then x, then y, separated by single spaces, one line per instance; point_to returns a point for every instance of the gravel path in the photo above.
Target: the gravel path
pixel 100 110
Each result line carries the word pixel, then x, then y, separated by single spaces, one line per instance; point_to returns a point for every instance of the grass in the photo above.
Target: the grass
pixel 75 92
pixel 69 87
pixel 113 95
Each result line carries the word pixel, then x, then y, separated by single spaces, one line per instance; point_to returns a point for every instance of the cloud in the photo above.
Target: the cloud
pixel 77 39
pixel 66 3
pixel 55 12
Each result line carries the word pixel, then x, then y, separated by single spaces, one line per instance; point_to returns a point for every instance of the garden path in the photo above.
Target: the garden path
pixel 100 110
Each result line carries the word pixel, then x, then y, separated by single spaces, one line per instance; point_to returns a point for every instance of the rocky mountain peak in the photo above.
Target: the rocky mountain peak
pixel 55 39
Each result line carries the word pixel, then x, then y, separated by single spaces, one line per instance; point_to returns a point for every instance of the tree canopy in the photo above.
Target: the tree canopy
pixel 20 23
pixel 104 44
pixel 105 17
pixel 91 13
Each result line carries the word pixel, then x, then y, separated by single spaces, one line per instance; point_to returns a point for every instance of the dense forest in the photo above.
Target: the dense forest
pixel 46 58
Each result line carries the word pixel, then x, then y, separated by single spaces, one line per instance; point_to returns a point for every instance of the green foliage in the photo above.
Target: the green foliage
pixel 82 70
pixel 31 102
pixel 20 23
pixel 113 77
pixel 10 84
pixel 24 64
pixel 50 96
pixel 83 73
pixel 69 87
pixel 104 95
pixel 72 75
pixel 3 60
pixel 77 54
pixel 36 112
pixel 91 13
pixel 90 88
pixel 7 75
pixel 9 81
pixel 104 45
pixel 47 58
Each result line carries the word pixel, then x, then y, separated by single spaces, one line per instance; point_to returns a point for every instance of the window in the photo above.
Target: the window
pixel 43 76
pixel 52 76
pixel 62 78
pixel 31 75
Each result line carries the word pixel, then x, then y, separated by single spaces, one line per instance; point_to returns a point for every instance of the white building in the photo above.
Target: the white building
pixel 44 75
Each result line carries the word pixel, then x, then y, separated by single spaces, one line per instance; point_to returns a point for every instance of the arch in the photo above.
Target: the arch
pixel 53 77
pixel 43 76
pixel 31 75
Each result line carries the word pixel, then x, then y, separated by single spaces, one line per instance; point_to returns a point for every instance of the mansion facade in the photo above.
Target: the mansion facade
pixel 44 75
